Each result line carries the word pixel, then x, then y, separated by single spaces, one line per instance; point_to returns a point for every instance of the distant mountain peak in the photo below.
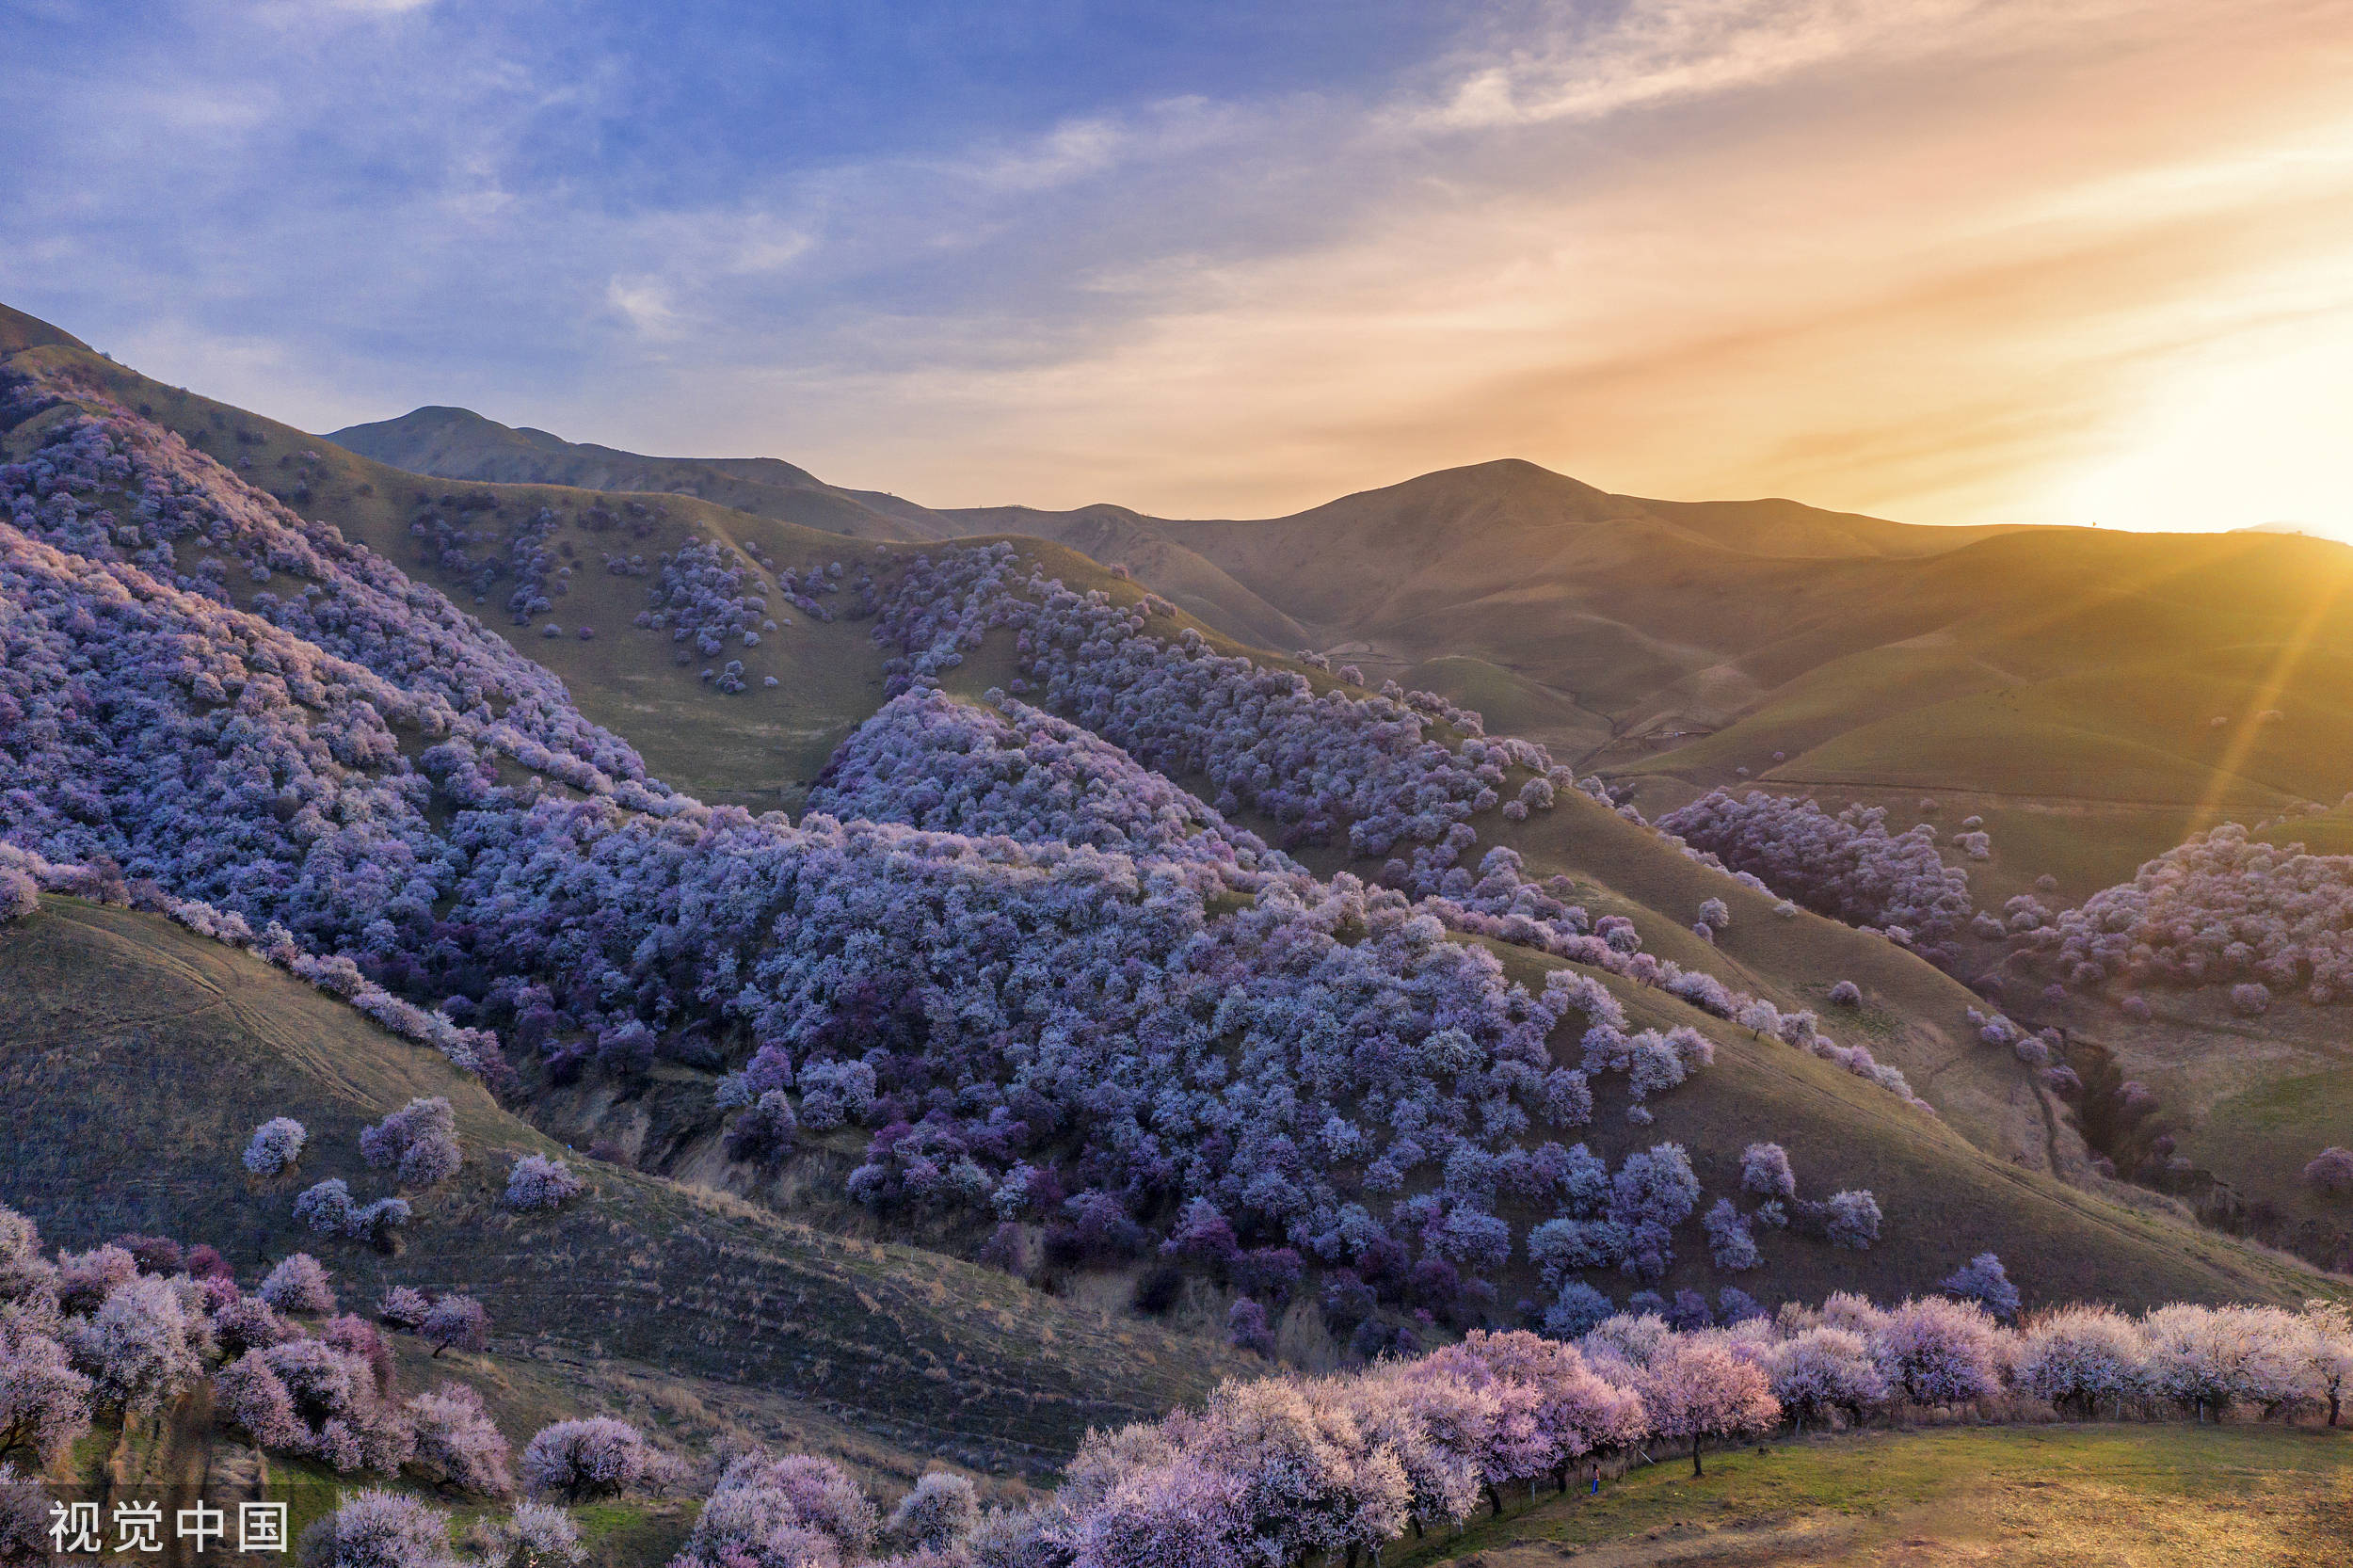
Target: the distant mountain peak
pixel 448 442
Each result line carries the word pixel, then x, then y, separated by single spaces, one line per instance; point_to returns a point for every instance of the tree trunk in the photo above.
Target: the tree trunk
pixel 1495 1499
pixel 1417 1520
pixel 2334 1398
pixel 1695 1455
pixel 437 1349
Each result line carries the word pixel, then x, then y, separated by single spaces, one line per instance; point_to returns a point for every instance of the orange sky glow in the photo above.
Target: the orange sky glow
pixel 1946 260
pixel 1946 263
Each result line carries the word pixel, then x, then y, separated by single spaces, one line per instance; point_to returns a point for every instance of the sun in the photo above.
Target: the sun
pixel 2255 436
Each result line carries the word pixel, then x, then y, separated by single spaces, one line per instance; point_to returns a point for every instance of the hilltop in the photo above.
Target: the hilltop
pixel 457 443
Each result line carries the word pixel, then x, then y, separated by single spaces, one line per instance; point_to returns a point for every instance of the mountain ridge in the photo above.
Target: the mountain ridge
pixel 443 442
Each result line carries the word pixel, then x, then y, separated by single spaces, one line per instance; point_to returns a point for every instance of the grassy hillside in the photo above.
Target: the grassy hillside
pixel 2032 665
pixel 1511 703
pixel 762 746
pixel 1945 1197
pixel 135 1059
pixel 758 748
pixel 2053 1497
pixel 18 331
pixel 1511 563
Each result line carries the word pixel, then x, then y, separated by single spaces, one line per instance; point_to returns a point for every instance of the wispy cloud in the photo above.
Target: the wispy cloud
pixel 1662 51
pixel 1930 257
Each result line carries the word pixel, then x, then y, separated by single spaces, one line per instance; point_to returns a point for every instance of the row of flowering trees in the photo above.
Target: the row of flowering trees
pixel 1284 1468
pixel 937 764
pixel 1327 765
pixel 1271 1471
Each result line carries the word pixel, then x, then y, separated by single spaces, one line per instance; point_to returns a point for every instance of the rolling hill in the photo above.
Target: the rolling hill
pixel 455 444
pixel 1992 1170
pixel 1675 644
pixel 136 1057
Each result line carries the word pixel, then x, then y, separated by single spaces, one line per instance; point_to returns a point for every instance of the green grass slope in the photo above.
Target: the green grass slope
pixel 19 331
pixel 1946 1198
pixel 2043 1496
pixel 2038 664
pixel 1510 703
pixel 136 1058
pixel 2176 669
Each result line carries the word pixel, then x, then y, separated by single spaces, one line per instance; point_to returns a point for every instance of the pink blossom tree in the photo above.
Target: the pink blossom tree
pixel 1309 1480
pixel 457 1442
pixel 44 1403
pixel 381 1530
pixel 419 1142
pixel 937 1513
pixel 2331 1171
pixel 1820 1369
pixel 1938 1351
pixel 2077 1356
pixel 298 1283
pixel 456 1320
pixel 598 1457
pixel 1696 1389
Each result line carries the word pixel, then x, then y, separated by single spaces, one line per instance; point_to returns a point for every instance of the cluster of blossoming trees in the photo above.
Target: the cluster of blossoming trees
pixel 418 1144
pixel 699 600
pixel 128 1327
pixel 1848 866
pixel 2222 910
pixel 931 763
pixel 1087 1000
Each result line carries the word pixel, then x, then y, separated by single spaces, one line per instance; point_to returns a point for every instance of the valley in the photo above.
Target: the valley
pixel 989 995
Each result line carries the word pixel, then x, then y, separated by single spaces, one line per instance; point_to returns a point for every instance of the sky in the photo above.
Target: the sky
pixel 1946 260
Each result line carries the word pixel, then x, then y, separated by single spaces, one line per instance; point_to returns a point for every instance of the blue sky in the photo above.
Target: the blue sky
pixel 1953 260
pixel 521 196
